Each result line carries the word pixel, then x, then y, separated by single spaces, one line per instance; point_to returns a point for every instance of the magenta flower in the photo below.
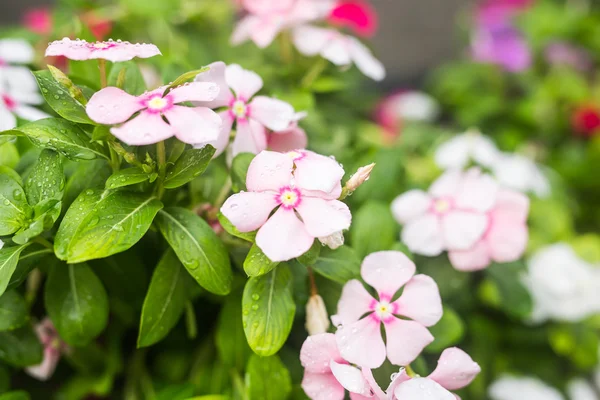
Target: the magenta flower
pixel 451 216
pixel 53 348
pixel 193 125
pixel 359 340
pixel 252 115
pixel 505 238
pixel 303 186
pixel 81 50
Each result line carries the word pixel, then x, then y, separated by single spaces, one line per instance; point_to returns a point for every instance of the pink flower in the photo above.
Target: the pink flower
pixel 360 340
pixel 338 48
pixel 412 106
pixel 38 20
pixel 81 50
pixel 300 184
pixel 454 371
pixel 356 14
pixel 451 216
pixel 193 125
pixel 53 347
pixel 289 139
pixel 252 116
pixel 18 94
pixel 505 238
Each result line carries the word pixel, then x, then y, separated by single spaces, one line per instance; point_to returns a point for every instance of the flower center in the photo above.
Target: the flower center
pixel 9 102
pixel 102 45
pixel 384 310
pixel 296 155
pixel 288 197
pixel 157 103
pixel 239 109
pixel 441 206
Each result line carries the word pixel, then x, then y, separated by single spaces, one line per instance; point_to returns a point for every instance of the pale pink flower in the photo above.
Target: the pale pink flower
pixel 359 340
pixel 405 106
pixel 454 371
pixel 253 116
pixel 303 186
pixel 53 348
pixel 340 49
pixel 288 139
pixel 505 238
pixel 81 50
pixel 193 125
pixel 18 94
pixel 15 51
pixel 451 216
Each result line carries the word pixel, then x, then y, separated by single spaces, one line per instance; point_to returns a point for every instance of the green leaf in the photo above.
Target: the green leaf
pixel 46 182
pixel 373 228
pixel 65 81
pixel 239 170
pixel 165 300
pixel 60 100
pixel 338 265
pixel 232 230
pixel 447 332
pixel 15 395
pixel 32 257
pixel 60 135
pixel 311 256
pixel 9 257
pixel 99 224
pixel 9 155
pixel 21 347
pixel 13 311
pixel 87 175
pixel 190 165
pixel 186 77
pixel 229 336
pixel 14 210
pixel 268 310
pixel 127 177
pixel 132 79
pixel 267 378
pixel 198 247
pixel 76 302
pixel 257 263
pixel 514 298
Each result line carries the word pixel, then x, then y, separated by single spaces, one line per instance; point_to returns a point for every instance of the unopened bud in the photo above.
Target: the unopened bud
pixel 361 176
pixel 333 241
pixel 317 320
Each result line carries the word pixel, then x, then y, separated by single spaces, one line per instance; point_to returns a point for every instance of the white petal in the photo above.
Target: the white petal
pixel 365 61
pixel 16 51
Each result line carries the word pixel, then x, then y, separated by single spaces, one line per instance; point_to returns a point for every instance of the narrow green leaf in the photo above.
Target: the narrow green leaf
pixel 239 170
pixel 373 228
pixel 191 164
pixel 60 99
pixel 9 257
pixel 127 177
pixel 21 347
pixel 132 79
pixel 65 81
pixel 99 224
pixel 76 302
pixel 198 247
pixel 232 230
pixel 165 300
pixel 13 311
pixel 267 378
pixel 339 265
pixel 268 310
pixel 257 263
pixel 186 77
pixel 14 210
pixel 33 256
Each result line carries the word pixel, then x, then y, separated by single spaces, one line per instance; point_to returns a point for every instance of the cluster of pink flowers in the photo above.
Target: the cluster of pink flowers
pixel 468 214
pixel 343 361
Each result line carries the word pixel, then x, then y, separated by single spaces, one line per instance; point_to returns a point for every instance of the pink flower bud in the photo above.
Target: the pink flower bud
pixel 361 176
pixel 317 320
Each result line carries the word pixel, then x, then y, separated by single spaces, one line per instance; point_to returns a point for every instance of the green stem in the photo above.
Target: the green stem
pixel 190 321
pixel 115 161
pixel 102 67
pixel 162 168
pixel 409 371
pixel 285 47
pixel 313 73
pixel 34 281
pixel 44 242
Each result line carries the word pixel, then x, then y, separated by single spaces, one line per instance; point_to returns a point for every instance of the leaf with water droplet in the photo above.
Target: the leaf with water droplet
pixel 14 209
pixel 61 100
pixel 191 164
pixel 268 378
pixel 9 257
pixel 257 263
pixel 127 177
pixel 45 187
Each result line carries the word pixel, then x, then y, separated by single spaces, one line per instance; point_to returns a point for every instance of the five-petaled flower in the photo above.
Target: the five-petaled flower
pixel 193 125
pixel 303 186
pixel 110 50
pixel 359 340
pixel 53 348
pixel 252 115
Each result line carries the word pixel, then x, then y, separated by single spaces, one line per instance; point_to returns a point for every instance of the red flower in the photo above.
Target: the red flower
pixel 38 20
pixel 586 120
pixel 358 15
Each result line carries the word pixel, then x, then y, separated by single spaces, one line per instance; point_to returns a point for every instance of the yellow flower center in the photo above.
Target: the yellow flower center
pixel 101 45
pixel 289 198
pixel 239 109
pixel 441 206
pixel 157 103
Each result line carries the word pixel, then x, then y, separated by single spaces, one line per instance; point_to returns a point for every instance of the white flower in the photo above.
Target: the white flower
pixel 18 92
pixel 458 152
pixel 520 173
pixel 563 286
pixel 333 241
pixel 579 389
pixel 317 320
pixel 412 106
pixel 15 51
pixel 513 388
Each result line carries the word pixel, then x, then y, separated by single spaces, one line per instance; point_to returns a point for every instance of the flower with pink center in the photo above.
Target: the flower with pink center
pixel 18 93
pixel 451 216
pixel 455 370
pixel 358 15
pixel 359 339
pixel 160 117
pixel 505 238
pixel 53 348
pixel 303 187
pixel 115 51
pixel 338 48
pixel 253 115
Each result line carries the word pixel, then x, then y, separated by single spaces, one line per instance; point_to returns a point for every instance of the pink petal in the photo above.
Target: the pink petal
pixel 354 303
pixel 316 172
pixel 250 138
pixel 507 240
pixel 288 140
pixel 446 185
pixel 405 340
pixel 461 229
pixel 198 125
pixel 72 49
pixel 477 191
pixel 244 83
pixel 277 115
pixel 337 50
pixel 310 40
pixel 422 389
pixel 283 236
pixel 455 369
pixel 322 387
pixel 317 351
pixel 410 205
pixel 45 370
pixel 146 128
pixel 248 211
pixel 244 28
pixel 221 143
pixel 473 259
pixel 262 7
pixel 112 105
pixel 361 343
pixel 421 301
pixel 511 205
pixel 216 74
pixel 365 61
pixel 266 31
pixel 368 374
pixel 195 91
pixel 424 235
pixel 397 379
pixel 322 217
pixel 351 378
pixel 125 52
pixel 387 271
pixel 269 171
